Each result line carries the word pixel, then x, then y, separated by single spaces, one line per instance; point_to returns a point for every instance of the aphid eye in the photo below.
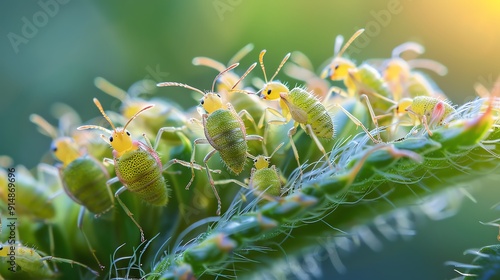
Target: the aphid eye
pixel 202 102
pixel 218 95
pixel 111 139
pixel 54 149
pixel 336 67
pixel 269 91
pixel 254 161
pixel 128 133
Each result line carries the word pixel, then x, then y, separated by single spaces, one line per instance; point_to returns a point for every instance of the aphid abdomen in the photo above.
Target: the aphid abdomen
pixel 372 79
pixel 84 180
pixel 317 115
pixel 424 105
pixel 266 180
pixel 141 172
pixel 29 261
pixel 226 133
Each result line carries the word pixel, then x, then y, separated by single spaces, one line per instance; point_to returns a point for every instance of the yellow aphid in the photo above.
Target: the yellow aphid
pixel 428 111
pixel 340 69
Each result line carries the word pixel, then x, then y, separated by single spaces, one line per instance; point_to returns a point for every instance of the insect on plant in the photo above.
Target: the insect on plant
pixel 224 130
pixel 163 114
pixel 33 196
pixel 301 106
pixel 338 69
pixel 401 77
pixel 364 79
pixel 301 69
pixel 230 86
pixel 137 165
pixel 263 179
pixel 83 177
pixel 427 111
pixel 32 263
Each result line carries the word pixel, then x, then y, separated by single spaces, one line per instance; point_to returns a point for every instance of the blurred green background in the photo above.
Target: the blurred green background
pixel 51 52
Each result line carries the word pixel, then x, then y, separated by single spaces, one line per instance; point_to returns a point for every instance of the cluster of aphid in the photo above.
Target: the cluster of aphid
pixel 396 96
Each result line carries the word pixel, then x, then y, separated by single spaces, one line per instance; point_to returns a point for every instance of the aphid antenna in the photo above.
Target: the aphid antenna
pixel 276 149
pixel 241 53
pixel 174 84
pixel 339 40
pixel 408 46
pixel 99 106
pixel 44 127
pixel 244 75
pixel 205 61
pixel 231 67
pixel 353 37
pixel 261 61
pixel 110 89
pixel 429 64
pixel 137 114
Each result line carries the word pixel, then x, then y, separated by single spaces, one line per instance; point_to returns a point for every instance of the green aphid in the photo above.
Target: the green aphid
pixel 137 165
pixel 83 177
pixel 25 262
pixel 224 130
pixel 263 180
pixel 28 195
pixel 298 104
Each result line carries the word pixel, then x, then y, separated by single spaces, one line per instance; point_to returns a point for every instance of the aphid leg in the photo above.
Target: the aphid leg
pixel 279 122
pixel 108 161
pixel 127 211
pixel 292 132
pixel 271 110
pixel 187 164
pixel 372 115
pixel 258 138
pixel 393 151
pixel 51 242
pixel 254 137
pixel 80 226
pixel 146 140
pixel 336 90
pixel 423 120
pixel 249 117
pixel 49 175
pixel 211 180
pixel 358 123
pixel 429 64
pixel 196 121
pixel 310 131
pixel 199 141
pixel 72 262
pixel 229 181
pixel 166 129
